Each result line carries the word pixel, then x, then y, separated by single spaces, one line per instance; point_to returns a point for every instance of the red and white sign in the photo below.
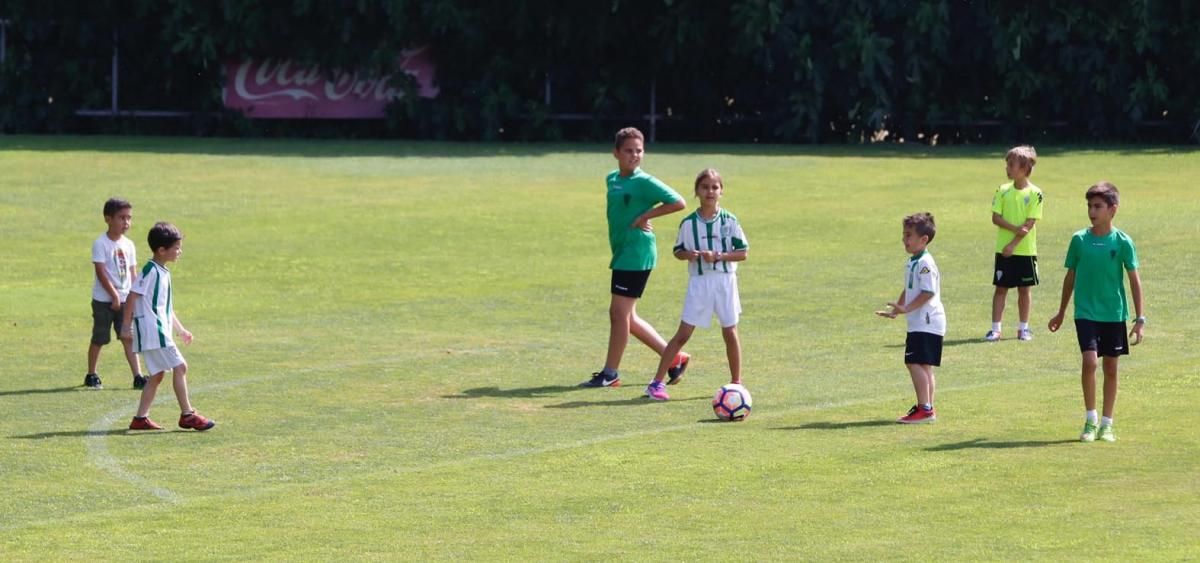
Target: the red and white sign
pixel 279 89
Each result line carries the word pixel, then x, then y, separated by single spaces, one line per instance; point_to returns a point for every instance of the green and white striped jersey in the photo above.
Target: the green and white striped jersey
pixel 152 319
pixel 722 233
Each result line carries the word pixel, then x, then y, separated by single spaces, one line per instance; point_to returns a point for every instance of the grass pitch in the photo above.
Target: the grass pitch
pixel 389 335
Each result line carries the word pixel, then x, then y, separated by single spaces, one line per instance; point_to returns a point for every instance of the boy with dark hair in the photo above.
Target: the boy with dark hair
pixel 150 323
pixel 1096 258
pixel 114 260
pixel 921 303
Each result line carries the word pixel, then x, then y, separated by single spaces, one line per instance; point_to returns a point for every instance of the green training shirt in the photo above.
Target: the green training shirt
pixel 1099 263
pixel 1018 206
pixel 629 197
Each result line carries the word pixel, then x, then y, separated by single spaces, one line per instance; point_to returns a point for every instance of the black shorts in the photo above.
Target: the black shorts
pixel 629 283
pixel 1015 271
pixel 923 348
pixel 104 319
pixel 1106 339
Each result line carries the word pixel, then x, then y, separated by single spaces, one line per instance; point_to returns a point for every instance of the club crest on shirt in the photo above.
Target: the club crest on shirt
pixel 924 269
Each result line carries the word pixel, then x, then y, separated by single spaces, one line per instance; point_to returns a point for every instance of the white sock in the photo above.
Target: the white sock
pixel 996 328
pixel 1091 416
pixel 1023 326
pixel 1105 421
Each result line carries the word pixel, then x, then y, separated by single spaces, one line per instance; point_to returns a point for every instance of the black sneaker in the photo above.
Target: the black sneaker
pixel 92 380
pixel 139 382
pixel 676 371
pixel 599 380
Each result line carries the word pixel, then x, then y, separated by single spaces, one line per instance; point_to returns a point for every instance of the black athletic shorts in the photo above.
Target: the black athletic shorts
pixel 630 283
pixel 1107 339
pixel 923 348
pixel 1015 271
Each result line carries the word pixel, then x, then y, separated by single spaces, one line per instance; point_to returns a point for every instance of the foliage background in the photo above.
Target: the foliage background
pixel 818 71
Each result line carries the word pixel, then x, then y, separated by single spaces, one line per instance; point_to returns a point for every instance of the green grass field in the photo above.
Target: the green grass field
pixel 389 335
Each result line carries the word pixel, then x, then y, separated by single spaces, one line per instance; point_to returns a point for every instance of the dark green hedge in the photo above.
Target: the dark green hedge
pixel 767 70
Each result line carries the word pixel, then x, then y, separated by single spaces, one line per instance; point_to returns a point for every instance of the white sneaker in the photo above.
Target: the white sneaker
pixel 1024 334
pixel 992 336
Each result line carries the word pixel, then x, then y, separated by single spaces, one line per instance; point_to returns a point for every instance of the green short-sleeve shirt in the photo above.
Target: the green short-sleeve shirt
pixel 629 197
pixel 1018 206
pixel 1099 264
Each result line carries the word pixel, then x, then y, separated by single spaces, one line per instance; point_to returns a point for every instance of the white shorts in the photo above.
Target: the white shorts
pixel 712 293
pixel 162 359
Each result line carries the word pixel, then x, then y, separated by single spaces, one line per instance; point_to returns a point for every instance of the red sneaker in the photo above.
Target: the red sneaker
pixel 143 423
pixel 195 421
pixel 917 415
pixel 675 372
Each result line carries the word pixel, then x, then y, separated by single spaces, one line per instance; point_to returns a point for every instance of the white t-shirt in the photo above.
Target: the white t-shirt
pixel 118 257
pixel 723 233
pixel 152 325
pixel 922 276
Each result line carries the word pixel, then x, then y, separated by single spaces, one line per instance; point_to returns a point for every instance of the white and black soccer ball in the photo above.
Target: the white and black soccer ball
pixel 732 402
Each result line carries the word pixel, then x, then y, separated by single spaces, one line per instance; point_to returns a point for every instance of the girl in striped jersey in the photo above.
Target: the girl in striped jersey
pixel 150 324
pixel 712 242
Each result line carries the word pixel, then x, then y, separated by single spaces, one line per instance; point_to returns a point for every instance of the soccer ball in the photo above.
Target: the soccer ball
pixel 732 402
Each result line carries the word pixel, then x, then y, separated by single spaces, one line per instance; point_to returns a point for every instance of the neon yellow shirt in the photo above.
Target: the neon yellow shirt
pixel 1016 207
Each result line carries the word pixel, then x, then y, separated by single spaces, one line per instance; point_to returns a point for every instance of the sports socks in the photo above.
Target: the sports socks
pixel 606 372
pixel 1105 421
pixel 1023 326
pixel 996 328
pixel 927 406
pixel 1091 416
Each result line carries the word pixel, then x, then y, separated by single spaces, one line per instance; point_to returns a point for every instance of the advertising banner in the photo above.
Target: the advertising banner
pixel 265 88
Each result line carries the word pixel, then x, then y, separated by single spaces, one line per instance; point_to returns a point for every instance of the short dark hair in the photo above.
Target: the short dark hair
pixel 163 235
pixel 1106 191
pixel 922 224
pixel 114 205
pixel 629 133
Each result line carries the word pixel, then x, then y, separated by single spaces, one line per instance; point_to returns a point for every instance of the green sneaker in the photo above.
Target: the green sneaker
pixel 1089 432
pixel 1106 433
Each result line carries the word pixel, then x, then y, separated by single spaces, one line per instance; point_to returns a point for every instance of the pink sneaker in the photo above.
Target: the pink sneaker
pixel 657 391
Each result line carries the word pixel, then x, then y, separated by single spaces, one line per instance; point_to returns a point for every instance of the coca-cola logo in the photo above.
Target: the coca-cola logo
pixel 283 89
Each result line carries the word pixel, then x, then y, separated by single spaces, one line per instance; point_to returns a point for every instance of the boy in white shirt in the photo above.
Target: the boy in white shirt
pixel 114 259
pixel 921 303
pixel 150 324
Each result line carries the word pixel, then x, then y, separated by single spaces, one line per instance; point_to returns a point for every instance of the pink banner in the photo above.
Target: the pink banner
pixel 278 89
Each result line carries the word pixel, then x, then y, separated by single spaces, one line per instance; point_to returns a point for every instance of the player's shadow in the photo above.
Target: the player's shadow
pixel 517 393
pixel 86 433
pixel 632 401
pixel 41 391
pixel 838 425
pixel 983 443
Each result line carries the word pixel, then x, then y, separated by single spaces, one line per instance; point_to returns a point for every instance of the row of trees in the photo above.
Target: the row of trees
pixel 768 70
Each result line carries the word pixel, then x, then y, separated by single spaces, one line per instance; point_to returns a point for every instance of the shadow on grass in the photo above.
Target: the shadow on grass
pixel 42 391
pixel 85 433
pixel 838 425
pixel 982 443
pixel 618 403
pixel 518 393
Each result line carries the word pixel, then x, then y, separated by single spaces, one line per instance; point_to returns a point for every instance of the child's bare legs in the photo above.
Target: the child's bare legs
pixel 148 392
pixel 181 389
pixel 998 300
pixel 132 358
pixel 178 381
pixel 93 357
pixel 623 321
pixel 733 351
pixel 672 348
pixel 1110 385
pixel 1024 303
pixel 1088 379
pixel 922 380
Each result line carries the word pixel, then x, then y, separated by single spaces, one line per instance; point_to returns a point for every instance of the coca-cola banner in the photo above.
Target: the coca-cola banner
pixel 280 89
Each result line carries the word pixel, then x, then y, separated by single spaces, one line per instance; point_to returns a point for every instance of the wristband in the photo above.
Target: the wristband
pixel 1140 320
